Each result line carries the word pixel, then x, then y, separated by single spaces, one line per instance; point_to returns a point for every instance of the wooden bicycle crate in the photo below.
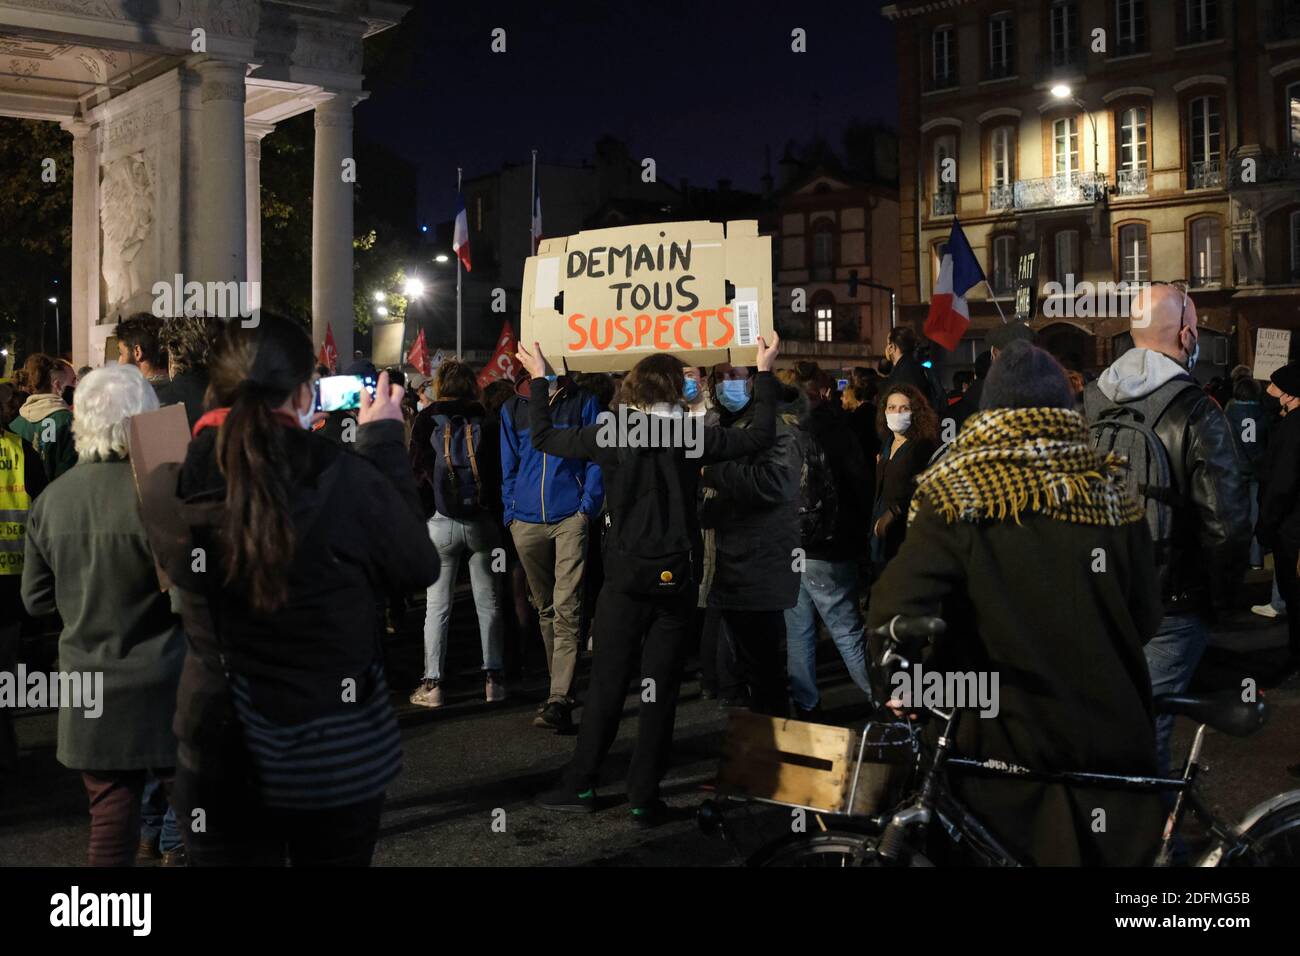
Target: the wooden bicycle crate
pixel 799 764
pixel 786 761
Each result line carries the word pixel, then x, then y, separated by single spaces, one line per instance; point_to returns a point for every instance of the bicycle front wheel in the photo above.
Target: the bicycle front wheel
pixel 1272 840
pixel 833 848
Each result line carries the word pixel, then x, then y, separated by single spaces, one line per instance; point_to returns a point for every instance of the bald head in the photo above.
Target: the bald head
pixel 1160 321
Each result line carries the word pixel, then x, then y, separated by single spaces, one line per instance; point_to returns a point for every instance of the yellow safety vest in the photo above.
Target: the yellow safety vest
pixel 14 503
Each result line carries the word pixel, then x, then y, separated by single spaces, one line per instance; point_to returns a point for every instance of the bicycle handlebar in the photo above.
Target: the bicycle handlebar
pixel 902 628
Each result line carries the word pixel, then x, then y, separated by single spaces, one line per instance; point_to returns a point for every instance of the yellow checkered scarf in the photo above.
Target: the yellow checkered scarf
pixel 1009 460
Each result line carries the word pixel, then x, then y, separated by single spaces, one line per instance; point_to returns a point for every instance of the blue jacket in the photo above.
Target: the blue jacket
pixel 541 488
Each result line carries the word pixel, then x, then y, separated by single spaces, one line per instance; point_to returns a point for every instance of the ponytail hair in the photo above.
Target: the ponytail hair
pixel 253 372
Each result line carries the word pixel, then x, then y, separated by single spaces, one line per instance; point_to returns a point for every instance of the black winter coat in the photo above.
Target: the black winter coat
pixel 1025 602
pixel 832 428
pixel 756 518
pixel 895 484
pixel 1279 496
pixel 359 536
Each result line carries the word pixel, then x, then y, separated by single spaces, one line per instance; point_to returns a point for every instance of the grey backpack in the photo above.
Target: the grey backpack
pixel 1128 429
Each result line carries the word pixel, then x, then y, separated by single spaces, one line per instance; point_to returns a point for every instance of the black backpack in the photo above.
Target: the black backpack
pixel 457 488
pixel 648 546
pixel 1128 429
pixel 818 498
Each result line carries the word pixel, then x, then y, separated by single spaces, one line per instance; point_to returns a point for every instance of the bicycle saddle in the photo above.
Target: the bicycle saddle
pixel 1229 715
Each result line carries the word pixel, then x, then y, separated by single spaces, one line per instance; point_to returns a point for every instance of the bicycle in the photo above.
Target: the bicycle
pixel 1267 835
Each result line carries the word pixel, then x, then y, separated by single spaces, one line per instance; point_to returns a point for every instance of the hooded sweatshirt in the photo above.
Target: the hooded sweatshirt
pixel 1137 373
pixel 53 441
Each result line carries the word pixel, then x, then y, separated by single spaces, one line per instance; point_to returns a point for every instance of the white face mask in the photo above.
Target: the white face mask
pixel 899 422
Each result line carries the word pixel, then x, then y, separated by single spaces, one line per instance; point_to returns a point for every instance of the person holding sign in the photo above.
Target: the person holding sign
pixel 645 608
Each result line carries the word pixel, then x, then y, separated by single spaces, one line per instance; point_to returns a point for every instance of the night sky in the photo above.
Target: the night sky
pixel 700 86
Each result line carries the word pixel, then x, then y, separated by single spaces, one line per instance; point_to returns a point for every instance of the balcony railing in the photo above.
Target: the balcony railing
pixel 1064 189
pixel 1268 168
pixel 1131 182
pixel 944 202
pixel 1202 281
pixel 1002 197
pixel 1206 175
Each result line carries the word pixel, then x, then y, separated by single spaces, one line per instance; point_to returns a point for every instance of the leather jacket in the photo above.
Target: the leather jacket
pixel 1211 530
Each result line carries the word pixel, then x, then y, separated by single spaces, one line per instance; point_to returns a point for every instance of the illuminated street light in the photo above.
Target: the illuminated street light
pixel 414 289
pixel 379 297
pixel 381 311
pixel 1061 91
pixel 440 257
pixel 52 301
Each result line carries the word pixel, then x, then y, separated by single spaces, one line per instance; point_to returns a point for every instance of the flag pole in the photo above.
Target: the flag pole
pixel 532 208
pixel 995 301
pixel 458 271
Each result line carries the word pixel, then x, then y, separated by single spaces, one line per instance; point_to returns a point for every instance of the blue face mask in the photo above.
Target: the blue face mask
pixel 733 394
pixel 552 379
pixel 691 390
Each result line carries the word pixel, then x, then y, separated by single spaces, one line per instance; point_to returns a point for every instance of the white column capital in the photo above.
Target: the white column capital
pixel 220 79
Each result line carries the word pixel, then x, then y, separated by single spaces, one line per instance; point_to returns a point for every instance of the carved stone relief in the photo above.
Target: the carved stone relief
pixel 126 211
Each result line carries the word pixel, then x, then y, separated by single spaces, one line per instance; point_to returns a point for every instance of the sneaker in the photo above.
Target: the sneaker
pixel 567 800
pixel 176 857
pixel 555 716
pixel 1265 610
pixel 428 694
pixel 494 688
pixel 147 853
pixel 653 814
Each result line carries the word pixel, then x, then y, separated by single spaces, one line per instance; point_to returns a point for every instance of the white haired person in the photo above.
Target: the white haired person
pixel 121 648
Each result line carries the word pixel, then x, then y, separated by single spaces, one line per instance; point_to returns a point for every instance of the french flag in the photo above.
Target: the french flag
pixel 949 314
pixel 460 235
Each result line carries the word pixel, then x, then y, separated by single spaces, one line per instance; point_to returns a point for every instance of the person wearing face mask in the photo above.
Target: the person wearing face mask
pixel 754 511
pixel 1201 526
pixel 909 432
pixel 287 738
pixel 1279 501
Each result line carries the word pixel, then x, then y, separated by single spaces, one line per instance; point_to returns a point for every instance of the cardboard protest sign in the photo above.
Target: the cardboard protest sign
pixel 606 298
pixel 156 438
pixel 1272 351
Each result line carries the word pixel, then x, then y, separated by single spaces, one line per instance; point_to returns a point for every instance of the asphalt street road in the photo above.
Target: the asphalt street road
pixel 472 768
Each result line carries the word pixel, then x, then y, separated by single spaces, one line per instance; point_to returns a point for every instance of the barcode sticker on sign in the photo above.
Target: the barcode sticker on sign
pixel 746 316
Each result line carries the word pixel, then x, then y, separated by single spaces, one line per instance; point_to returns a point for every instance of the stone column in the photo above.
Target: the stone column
pixel 85 238
pixel 331 227
pixel 220 233
pixel 253 133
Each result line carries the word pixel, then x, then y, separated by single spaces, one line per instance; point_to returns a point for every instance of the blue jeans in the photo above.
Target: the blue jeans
pixel 157 818
pixel 454 537
pixel 1172 656
pixel 828 589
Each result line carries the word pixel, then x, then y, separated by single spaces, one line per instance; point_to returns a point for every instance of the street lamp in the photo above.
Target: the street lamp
pixel 440 257
pixel 58 344
pixel 379 297
pixel 1062 91
pixel 381 311
pixel 414 288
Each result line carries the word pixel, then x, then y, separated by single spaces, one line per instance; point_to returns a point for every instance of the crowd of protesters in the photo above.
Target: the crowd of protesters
pixel 255 689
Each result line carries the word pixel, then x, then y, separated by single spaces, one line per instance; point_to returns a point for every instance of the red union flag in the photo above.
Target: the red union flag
pixel 502 364
pixel 418 356
pixel 329 353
